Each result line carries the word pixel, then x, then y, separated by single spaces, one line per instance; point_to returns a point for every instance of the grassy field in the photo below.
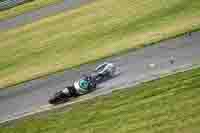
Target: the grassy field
pixel 168 105
pixel 97 30
pixel 27 7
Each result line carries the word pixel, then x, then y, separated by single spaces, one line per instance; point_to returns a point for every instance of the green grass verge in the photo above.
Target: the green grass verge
pixel 167 105
pixel 91 32
pixel 24 8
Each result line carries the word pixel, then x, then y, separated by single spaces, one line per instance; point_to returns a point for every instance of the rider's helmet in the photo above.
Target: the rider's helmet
pixel 84 83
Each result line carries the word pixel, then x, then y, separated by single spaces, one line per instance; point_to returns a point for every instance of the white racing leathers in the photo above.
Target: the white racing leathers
pixel 79 90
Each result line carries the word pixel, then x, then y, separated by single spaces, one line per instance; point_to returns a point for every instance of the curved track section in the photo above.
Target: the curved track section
pixel 38 14
pixel 134 66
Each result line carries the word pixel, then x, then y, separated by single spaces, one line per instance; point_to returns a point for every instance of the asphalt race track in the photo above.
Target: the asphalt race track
pixel 38 14
pixel 133 66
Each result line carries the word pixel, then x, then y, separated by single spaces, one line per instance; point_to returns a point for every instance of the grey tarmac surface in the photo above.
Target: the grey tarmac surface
pixel 133 66
pixel 38 14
